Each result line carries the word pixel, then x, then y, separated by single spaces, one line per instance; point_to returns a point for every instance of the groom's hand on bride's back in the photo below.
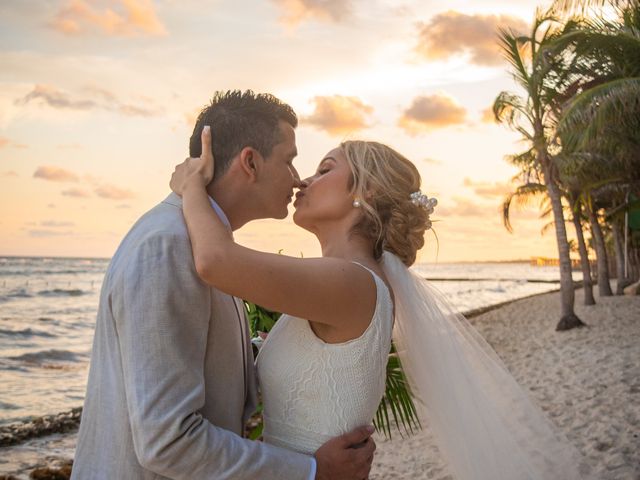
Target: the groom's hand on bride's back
pixel 346 457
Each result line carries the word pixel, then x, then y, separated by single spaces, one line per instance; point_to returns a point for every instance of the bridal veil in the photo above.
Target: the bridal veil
pixel 484 423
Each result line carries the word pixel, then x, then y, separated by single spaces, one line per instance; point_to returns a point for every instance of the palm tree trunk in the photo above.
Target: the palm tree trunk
pixel 587 283
pixel 569 319
pixel 618 243
pixel 604 287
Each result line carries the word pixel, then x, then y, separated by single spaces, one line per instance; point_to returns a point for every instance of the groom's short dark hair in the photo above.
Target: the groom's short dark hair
pixel 238 120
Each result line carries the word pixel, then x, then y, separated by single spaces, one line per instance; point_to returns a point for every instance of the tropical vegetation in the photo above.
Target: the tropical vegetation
pixel 578 113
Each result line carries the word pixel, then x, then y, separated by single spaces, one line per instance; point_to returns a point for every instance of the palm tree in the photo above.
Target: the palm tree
pixel 604 286
pixel 599 126
pixel 530 115
pixel 576 217
pixel 523 195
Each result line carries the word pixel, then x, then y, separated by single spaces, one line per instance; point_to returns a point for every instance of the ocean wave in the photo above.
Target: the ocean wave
pixel 25 332
pixel 44 356
pixel 49 320
pixel 8 406
pixel 61 292
pixel 34 272
pixel 19 293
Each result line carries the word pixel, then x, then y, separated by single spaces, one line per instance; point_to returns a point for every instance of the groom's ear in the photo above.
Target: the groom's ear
pixel 250 162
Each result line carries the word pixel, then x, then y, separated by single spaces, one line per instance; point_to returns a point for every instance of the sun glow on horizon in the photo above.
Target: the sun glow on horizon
pixel 94 115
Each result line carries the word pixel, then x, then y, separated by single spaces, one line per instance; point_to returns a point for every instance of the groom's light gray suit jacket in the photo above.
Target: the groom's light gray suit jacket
pixel 171 379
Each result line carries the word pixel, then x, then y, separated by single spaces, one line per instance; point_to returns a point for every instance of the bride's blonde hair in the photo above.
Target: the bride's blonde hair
pixel 383 181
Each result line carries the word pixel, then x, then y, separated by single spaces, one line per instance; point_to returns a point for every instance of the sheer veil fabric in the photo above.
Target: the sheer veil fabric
pixel 484 423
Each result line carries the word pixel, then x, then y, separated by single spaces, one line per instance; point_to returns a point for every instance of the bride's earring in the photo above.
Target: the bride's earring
pixel 356 203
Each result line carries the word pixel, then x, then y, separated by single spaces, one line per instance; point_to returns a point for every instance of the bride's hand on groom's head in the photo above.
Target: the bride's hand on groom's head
pixel 195 171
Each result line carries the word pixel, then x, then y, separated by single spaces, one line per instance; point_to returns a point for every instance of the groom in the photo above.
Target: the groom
pixel 171 382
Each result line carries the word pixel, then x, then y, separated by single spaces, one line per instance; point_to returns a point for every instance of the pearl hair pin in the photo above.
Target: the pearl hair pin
pixel 419 199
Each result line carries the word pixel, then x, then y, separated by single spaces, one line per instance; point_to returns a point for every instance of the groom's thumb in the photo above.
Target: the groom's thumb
pixel 356 438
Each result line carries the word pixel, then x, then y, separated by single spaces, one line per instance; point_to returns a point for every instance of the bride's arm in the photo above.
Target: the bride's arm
pixel 324 290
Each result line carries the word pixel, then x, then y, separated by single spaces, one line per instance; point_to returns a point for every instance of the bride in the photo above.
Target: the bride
pixel 322 368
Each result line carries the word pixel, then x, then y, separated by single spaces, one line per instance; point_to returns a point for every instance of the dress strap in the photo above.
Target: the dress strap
pixel 378 280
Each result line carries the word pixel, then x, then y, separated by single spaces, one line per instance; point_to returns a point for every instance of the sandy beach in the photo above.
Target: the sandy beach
pixel 587 380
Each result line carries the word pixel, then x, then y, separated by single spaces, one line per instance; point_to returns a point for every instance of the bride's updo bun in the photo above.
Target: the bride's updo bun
pixel 383 181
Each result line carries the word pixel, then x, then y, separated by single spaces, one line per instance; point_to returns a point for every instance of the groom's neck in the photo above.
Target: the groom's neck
pixel 231 201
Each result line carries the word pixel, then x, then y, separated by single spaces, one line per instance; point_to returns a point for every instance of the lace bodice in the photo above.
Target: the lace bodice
pixel 313 391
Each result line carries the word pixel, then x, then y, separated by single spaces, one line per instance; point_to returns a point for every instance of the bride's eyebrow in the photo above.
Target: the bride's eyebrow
pixel 324 160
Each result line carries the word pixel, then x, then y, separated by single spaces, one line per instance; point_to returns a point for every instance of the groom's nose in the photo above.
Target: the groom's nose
pixel 297 183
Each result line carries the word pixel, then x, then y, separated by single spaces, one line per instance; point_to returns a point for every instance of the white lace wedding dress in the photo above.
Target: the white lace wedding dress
pixel 313 391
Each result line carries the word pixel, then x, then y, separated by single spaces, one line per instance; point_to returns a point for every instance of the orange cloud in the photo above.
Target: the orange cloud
pixel 296 11
pixel 56 224
pixel 464 207
pixel 10 173
pixel 126 18
pixel 432 161
pixel 488 116
pixel 93 99
pixel 453 33
pixel 5 142
pixel 76 193
pixel 56 99
pixel 339 114
pixel 488 190
pixel 55 174
pixel 39 233
pixel 431 112
pixel 112 192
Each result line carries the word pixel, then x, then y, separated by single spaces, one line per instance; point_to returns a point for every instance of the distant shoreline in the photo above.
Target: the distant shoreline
pixel 448 262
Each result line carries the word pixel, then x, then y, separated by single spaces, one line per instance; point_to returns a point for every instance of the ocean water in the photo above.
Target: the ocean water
pixel 48 308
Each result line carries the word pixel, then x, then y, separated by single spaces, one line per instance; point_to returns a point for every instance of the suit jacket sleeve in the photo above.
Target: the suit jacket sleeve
pixel 162 315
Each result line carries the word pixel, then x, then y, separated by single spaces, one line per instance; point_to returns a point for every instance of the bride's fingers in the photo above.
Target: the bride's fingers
pixel 207 155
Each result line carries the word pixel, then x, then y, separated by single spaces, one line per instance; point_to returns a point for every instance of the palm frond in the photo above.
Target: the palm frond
pixel 397 400
pixel 546 227
pixel 580 6
pixel 511 109
pixel 590 113
pixel 511 47
pixel 523 195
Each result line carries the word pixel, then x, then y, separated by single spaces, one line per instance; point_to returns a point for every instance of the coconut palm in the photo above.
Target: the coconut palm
pixel 599 125
pixel 530 115
pixel 524 194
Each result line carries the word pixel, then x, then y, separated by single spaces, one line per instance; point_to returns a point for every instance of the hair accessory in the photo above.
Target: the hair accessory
pixel 356 203
pixel 419 199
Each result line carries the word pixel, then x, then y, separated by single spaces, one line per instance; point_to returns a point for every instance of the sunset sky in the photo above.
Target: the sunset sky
pixel 98 100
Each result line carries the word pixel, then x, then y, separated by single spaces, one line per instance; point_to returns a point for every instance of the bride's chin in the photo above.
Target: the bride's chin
pixel 299 220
